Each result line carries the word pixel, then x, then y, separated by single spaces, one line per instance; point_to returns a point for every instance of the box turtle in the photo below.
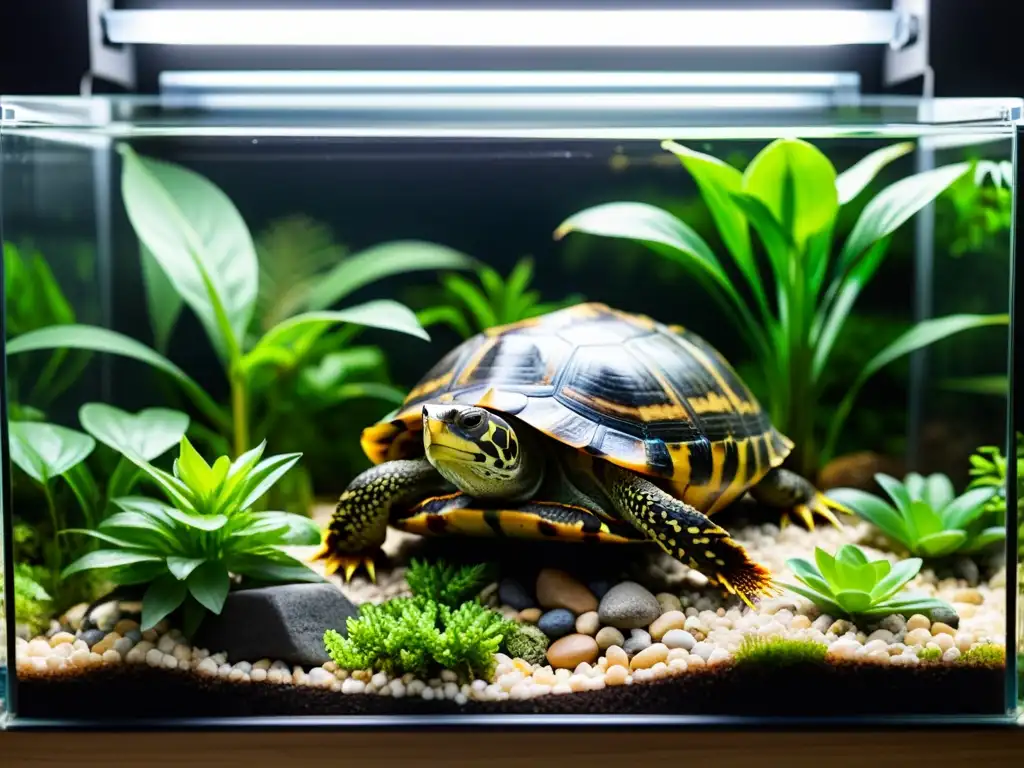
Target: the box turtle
pixel 585 424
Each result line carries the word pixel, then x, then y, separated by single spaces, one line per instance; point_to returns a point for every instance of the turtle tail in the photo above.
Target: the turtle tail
pixel 733 570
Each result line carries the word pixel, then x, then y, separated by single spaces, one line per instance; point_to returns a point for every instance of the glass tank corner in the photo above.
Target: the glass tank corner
pixel 319 411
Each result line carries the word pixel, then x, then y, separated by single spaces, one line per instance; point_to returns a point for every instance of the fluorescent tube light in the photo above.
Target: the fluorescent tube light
pixel 502 28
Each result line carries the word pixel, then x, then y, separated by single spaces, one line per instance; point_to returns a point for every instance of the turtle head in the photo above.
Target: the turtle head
pixel 478 451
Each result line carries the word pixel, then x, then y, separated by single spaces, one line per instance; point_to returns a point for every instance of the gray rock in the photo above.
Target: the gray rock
pixel 628 606
pixel 92 636
pixel 638 640
pixel 134 635
pixel 557 623
pixel 284 622
pixel 512 593
pixel 946 616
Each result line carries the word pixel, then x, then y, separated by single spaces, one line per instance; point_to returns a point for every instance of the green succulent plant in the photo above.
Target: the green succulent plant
pixel 848 584
pixel 469 308
pixel 928 519
pixel 190 550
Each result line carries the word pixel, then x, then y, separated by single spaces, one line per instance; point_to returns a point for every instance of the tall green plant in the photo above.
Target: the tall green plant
pixel 791 196
pixel 198 252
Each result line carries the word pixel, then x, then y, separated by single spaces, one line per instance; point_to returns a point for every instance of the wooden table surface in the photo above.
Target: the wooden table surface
pixel 618 748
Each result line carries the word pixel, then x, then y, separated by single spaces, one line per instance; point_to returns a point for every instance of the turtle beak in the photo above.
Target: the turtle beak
pixel 438 440
pixel 433 429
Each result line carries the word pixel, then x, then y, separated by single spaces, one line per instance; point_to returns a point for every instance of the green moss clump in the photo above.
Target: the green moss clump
pixel 780 651
pixel 443 583
pixel 929 654
pixel 986 655
pixel 420 636
pixel 527 642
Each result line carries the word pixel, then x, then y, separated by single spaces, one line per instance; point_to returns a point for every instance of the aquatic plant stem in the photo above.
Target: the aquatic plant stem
pixel 51 508
pixel 239 413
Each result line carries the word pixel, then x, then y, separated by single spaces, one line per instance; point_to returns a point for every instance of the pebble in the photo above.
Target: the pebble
pixel 514 594
pixel 609 636
pixel 669 602
pixel 917 621
pixel 39 647
pixel 588 623
pixel 124 626
pixel 628 606
pixel 616 657
pixel 571 651
pixel 678 638
pixel 946 616
pixel 649 656
pixel 557 589
pixel 61 637
pixel 92 636
pixel 971 596
pixel 616 676
pixel 667 621
pixel 919 636
pixel 938 628
pixel 321 677
pixel 800 622
pixel 638 640
pixel 557 623
pixel 529 615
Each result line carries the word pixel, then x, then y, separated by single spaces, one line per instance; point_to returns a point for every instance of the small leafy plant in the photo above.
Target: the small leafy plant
pixel 791 195
pixel 988 470
pixel 927 519
pixel 847 584
pixel 427 632
pixel 469 308
pixel 188 550
pixel 982 204
pixel 779 651
pixel 444 583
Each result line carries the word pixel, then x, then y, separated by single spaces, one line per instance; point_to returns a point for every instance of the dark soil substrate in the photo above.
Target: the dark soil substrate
pixel 840 689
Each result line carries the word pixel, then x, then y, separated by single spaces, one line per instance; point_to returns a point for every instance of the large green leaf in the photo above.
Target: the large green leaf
pixel 286 343
pixel 938 491
pixel 162 597
pixel 380 261
pixel 163 302
pixel 718 182
pixel 263 476
pixel 825 602
pixel 809 575
pixel 45 451
pixel 473 298
pixel 854 179
pixel 148 434
pixel 199 239
pixel 278 528
pixel 209 584
pixel 967 508
pixel 893 582
pixel 894 205
pixel 797 183
pixel 108 558
pixel 921 335
pixel 872 509
pixel 853 601
pixel 103 340
pixel 181 567
pixel 270 565
pixel 940 543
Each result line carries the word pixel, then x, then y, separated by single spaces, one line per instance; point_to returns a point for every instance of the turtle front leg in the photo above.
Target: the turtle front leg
pixel 793 493
pixel 686 534
pixel 360 522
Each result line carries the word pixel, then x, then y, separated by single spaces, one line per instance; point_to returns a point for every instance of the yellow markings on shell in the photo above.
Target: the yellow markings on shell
pixel 489 399
pixel 474 361
pixel 693 529
pixel 427 387
pixel 645 413
pixel 739 404
pixel 710 403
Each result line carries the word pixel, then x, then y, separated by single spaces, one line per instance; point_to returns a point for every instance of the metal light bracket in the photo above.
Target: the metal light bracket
pixel 907 54
pixel 108 61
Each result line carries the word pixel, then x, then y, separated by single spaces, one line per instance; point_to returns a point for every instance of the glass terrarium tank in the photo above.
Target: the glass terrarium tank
pixel 581 401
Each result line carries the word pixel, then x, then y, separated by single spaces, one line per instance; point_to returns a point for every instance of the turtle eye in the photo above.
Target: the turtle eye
pixel 470 420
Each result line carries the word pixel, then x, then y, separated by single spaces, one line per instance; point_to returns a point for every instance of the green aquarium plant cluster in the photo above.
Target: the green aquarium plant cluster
pixel 926 516
pixel 189 550
pixel 198 252
pixel 982 206
pixel 777 651
pixel 438 628
pixel 791 196
pixel 469 308
pixel 848 584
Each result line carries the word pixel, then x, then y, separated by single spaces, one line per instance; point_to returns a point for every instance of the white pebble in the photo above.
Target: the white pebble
pixel 397 689
pixel 448 676
pixel 380 679
pixel 81 658
pixel 718 655
pixel 54 662
pixel 702 649
pixel 39 647
pixel 321 677
pixel 679 638
pixel 154 657
pixel 166 644
pixel 461 699
pixel 451 689
pixel 207 667
pixel 427 694
pixel 170 662
pixel 110 656
pixel 951 654
pixel 353 686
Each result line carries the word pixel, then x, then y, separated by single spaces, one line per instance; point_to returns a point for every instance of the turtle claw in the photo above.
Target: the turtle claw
pixel 819 504
pixel 349 565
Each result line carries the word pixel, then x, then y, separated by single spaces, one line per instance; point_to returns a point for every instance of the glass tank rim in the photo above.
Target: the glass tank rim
pixel 583 113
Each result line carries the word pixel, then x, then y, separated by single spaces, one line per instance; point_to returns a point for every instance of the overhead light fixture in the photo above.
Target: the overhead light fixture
pixel 476 28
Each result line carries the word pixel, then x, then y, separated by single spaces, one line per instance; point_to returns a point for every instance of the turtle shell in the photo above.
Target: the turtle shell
pixel 655 399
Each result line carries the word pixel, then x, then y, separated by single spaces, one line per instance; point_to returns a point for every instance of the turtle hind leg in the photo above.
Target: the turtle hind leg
pixel 359 524
pixel 686 534
pixel 797 496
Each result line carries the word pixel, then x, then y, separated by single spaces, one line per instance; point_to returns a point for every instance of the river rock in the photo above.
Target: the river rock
pixel 557 623
pixel 557 589
pixel 285 622
pixel 628 606
pixel 514 594
pixel 571 651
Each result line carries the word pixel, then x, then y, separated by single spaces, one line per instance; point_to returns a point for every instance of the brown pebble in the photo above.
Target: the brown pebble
pixel 918 621
pixel 124 626
pixel 557 589
pixel 971 596
pixel 649 656
pixel 665 622
pixel 529 615
pixel 571 651
pixel 938 628
pixel 616 657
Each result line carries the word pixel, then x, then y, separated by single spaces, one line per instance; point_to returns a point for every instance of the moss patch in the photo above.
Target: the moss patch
pixel 780 651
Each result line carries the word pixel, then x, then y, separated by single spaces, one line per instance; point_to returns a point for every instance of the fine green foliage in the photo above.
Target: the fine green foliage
pixel 928 519
pixel 32 603
pixel 420 636
pixel 188 551
pixel 444 583
pixel 779 651
pixel 469 308
pixel 984 655
pixel 930 654
pixel 849 585
pixel 791 196
pixel 197 252
pixel 988 470
pixel 527 642
pixel 982 206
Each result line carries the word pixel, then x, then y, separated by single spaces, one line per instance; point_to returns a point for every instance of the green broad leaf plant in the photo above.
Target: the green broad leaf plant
pixel 197 252
pixel 848 584
pixel 926 516
pixel 989 469
pixel 469 307
pixel 189 549
pixel 790 304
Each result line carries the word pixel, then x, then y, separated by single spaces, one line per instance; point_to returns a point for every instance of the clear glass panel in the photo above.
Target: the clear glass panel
pixel 157 256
